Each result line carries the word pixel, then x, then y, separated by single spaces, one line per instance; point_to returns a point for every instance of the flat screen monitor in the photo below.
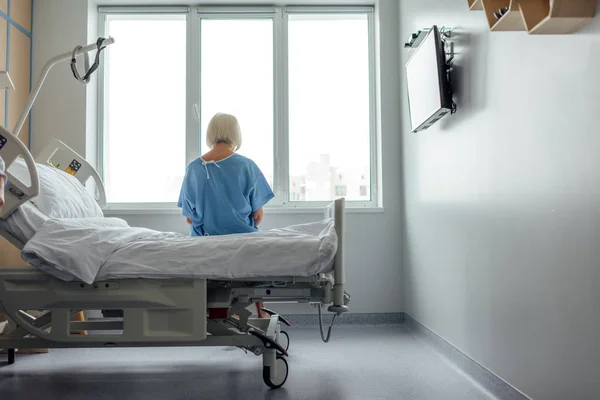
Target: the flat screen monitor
pixel 429 94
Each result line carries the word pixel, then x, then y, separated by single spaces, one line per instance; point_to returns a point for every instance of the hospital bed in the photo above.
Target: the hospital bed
pixel 149 312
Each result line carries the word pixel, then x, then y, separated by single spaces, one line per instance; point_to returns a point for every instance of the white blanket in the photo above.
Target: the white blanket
pixel 96 249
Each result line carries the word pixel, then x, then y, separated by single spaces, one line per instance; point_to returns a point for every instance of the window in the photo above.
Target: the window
pixel 329 81
pixel 237 78
pixel 299 80
pixel 143 148
pixel 340 190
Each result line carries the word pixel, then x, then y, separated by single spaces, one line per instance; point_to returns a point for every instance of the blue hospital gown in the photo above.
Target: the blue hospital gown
pixel 221 196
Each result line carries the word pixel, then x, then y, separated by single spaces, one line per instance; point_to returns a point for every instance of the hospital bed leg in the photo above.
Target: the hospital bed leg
pixel 11 356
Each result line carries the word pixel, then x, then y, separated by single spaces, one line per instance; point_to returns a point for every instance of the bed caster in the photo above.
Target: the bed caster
pixel 282 373
pixel 269 343
pixel 11 356
pixel 284 341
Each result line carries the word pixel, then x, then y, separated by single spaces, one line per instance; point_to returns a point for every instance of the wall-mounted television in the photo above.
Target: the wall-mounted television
pixel 429 92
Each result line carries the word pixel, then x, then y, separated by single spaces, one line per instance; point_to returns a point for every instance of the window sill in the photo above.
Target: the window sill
pixel 269 211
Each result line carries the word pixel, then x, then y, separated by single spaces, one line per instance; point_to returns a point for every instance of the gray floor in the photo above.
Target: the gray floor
pixel 359 363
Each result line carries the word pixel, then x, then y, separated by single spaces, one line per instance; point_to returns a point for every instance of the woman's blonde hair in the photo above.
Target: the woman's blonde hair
pixel 224 128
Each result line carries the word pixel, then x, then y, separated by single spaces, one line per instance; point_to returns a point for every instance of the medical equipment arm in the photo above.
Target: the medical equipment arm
pixel 51 63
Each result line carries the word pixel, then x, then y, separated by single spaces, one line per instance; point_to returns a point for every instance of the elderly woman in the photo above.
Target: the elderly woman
pixel 223 192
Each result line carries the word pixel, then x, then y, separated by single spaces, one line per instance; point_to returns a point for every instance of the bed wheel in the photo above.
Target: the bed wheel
pixel 11 356
pixel 284 341
pixel 282 373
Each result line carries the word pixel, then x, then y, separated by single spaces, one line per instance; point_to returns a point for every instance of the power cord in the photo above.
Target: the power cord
pixel 325 339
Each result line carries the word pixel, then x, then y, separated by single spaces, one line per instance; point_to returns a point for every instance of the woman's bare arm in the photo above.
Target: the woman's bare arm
pixel 258 216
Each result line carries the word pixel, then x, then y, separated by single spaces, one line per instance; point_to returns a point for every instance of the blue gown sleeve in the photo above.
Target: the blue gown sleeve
pixel 260 193
pixel 187 195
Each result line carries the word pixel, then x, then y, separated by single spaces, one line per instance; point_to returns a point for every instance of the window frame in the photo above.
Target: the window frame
pixel 281 155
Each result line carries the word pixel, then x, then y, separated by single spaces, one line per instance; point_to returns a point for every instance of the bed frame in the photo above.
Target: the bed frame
pixel 148 313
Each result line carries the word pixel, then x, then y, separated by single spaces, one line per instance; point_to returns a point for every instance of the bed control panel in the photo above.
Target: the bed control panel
pixel 73 167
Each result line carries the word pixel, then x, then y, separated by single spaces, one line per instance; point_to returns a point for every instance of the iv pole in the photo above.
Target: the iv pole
pixel 51 63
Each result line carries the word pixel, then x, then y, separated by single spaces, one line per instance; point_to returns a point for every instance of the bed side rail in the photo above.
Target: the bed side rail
pixel 337 212
pixel 16 192
pixel 154 311
pixel 61 156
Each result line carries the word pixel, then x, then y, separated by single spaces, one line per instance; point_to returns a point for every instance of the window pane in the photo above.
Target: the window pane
pixel 145 105
pixel 237 78
pixel 329 107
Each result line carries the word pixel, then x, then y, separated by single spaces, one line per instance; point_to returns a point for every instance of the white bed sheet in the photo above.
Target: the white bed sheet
pixel 24 222
pixel 98 249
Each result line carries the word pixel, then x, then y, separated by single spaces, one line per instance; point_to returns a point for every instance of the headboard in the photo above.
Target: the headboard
pixel 61 156
pixel 57 154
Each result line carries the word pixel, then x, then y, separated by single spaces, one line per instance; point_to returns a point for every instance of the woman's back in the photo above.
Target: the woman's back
pixel 220 195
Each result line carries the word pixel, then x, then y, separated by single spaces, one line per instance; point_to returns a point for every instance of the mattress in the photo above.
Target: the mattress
pixel 98 249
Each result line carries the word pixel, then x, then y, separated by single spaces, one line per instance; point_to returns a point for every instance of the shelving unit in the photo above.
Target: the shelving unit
pixel 537 17
pixel 557 16
pixel 511 21
pixel 475 5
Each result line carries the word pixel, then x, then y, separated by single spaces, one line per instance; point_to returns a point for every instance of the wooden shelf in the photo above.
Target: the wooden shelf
pixel 475 5
pixel 557 16
pixel 511 21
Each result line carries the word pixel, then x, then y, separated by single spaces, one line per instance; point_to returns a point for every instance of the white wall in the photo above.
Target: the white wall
pixel 91 115
pixel 502 205
pixel 60 110
pixel 374 256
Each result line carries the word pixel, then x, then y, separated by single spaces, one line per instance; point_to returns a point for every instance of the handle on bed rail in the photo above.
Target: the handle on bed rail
pixel 16 192
pixel 61 156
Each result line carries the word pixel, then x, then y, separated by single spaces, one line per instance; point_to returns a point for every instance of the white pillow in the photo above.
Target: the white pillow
pixel 61 195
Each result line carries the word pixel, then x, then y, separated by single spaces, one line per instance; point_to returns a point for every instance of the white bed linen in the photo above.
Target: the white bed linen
pixel 24 222
pixel 61 195
pixel 96 249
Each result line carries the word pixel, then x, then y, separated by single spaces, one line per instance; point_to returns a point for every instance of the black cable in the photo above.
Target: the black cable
pixel 74 64
pixel 454 106
pixel 325 339
pixel 89 70
pixel 96 63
